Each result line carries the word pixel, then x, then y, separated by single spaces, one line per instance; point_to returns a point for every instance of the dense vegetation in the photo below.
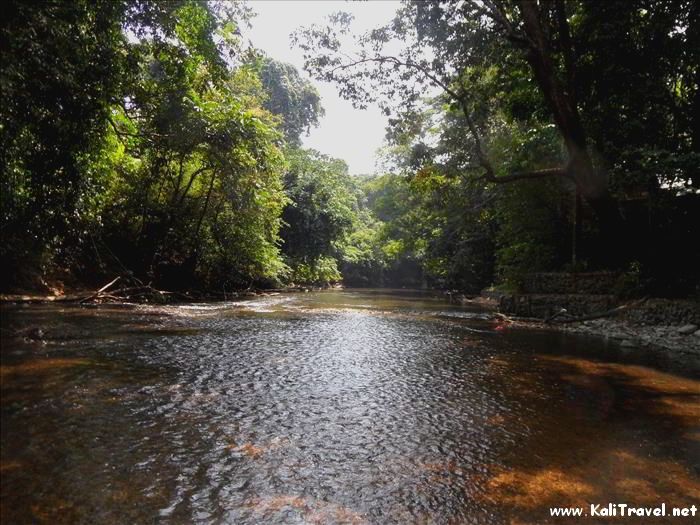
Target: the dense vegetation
pixel 144 138
pixel 558 134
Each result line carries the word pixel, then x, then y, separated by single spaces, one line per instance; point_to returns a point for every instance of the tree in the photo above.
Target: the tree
pixel 196 194
pixel 134 133
pixel 452 44
pixel 61 70
pixel 524 46
pixel 296 100
pixel 319 215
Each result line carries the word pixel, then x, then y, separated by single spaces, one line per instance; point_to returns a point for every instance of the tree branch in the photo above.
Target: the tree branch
pixel 121 133
pixel 597 315
pixel 193 176
pixel 461 100
pixel 399 62
pixel 495 11
pixel 206 205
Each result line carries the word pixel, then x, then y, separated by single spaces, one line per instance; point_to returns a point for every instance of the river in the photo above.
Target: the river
pixel 357 406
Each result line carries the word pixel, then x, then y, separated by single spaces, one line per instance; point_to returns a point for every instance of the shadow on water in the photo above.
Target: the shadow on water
pixel 612 433
pixel 332 407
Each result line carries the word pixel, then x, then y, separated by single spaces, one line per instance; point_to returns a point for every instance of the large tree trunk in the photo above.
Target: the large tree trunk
pixel 592 183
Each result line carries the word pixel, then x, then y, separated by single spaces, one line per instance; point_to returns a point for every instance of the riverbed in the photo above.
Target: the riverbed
pixel 355 406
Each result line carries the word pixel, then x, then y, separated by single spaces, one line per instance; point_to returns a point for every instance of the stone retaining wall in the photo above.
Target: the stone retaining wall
pixel 595 283
pixel 544 305
pixel 590 293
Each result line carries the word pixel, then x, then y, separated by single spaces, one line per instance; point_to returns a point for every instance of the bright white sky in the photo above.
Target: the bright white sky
pixel 347 133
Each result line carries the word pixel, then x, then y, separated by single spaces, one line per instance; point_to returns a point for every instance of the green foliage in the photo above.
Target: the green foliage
pixel 129 137
pixel 201 172
pixel 423 236
pixel 631 283
pixel 320 213
pixel 527 232
pixel 321 271
pixel 143 136
pixel 61 70
pixel 296 100
pixel 363 260
pixel 640 101
pixel 605 93
pixel 532 230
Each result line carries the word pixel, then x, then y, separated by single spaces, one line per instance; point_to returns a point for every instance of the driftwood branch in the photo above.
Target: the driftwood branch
pixel 101 290
pixel 107 294
pixel 562 312
pixel 599 315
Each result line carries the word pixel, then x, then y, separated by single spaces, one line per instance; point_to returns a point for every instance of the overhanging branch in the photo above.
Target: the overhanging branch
pixel 484 162
pixel 394 60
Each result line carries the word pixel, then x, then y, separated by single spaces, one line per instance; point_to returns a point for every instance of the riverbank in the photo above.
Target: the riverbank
pixel 590 303
pixel 662 324
pixel 116 291
pixel 85 296
pixel 683 339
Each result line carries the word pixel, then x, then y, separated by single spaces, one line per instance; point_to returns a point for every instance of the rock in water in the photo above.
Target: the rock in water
pixel 687 329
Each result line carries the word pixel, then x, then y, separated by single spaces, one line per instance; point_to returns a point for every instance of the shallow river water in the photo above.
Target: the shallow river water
pixel 333 407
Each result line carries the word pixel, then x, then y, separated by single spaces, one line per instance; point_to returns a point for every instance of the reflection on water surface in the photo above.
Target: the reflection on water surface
pixel 331 407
